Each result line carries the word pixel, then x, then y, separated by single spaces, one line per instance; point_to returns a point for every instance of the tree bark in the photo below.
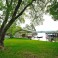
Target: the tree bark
pixel 2 35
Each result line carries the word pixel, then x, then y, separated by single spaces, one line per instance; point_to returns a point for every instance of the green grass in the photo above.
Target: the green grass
pixel 18 48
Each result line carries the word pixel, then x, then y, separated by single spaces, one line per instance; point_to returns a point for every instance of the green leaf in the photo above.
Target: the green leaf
pixel 29 1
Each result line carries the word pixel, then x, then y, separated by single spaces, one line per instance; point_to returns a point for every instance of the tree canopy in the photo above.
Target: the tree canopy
pixel 52 8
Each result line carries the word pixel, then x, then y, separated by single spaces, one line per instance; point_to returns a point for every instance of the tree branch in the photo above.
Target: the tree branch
pixel 5 21
pixel 23 10
pixel 11 2
pixel 7 15
pixel 7 3
pixel 13 16
pixel 16 9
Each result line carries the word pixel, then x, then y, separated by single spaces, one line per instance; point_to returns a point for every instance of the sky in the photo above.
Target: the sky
pixel 27 21
pixel 48 24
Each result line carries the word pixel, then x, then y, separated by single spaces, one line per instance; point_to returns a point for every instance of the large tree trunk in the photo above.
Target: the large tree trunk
pixel 2 35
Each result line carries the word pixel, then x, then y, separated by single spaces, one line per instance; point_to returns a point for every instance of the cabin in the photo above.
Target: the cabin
pixel 25 34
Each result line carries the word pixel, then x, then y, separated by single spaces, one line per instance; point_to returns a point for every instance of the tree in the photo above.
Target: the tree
pixel 30 28
pixel 52 8
pixel 13 29
pixel 12 11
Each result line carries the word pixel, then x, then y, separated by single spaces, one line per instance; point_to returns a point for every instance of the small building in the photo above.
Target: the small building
pixel 25 33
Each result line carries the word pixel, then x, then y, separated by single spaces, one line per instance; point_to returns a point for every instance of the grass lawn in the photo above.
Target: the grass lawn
pixel 17 48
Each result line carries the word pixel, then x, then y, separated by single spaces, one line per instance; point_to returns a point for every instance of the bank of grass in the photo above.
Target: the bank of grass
pixel 20 48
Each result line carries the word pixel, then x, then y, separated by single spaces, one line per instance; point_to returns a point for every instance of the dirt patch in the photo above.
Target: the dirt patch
pixel 29 55
pixel 56 57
